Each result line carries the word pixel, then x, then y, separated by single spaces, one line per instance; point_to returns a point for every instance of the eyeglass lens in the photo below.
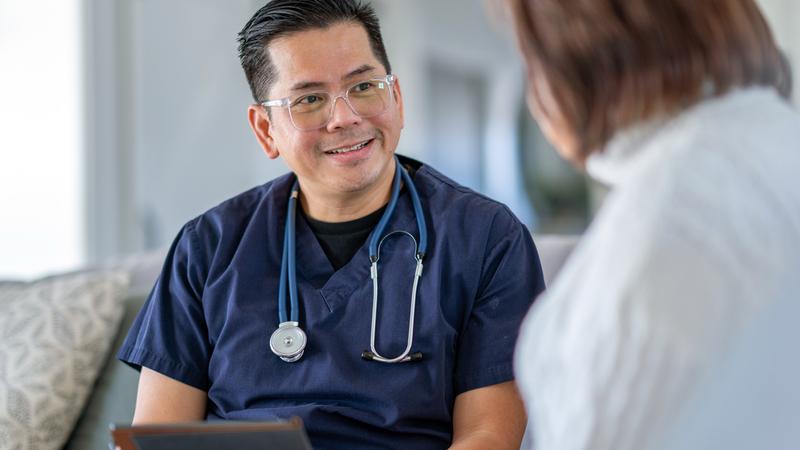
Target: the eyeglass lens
pixel 314 110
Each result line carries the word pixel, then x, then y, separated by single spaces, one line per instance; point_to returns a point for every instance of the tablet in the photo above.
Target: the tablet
pixel 212 436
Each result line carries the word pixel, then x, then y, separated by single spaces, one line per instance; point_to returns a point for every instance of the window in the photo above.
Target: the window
pixel 41 115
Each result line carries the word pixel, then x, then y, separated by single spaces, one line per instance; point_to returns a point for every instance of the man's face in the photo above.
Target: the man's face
pixel 331 60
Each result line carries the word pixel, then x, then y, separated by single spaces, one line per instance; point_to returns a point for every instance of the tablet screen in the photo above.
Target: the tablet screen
pixel 213 435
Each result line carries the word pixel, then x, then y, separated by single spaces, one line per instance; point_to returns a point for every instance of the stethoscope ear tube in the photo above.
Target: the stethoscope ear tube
pixel 374 255
pixel 404 356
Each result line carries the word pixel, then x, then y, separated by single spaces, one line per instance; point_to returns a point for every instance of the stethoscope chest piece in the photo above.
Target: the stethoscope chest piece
pixel 288 341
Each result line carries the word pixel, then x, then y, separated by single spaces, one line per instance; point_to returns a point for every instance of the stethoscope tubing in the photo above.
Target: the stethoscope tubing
pixel 289 269
pixel 390 207
pixel 295 312
pixel 289 258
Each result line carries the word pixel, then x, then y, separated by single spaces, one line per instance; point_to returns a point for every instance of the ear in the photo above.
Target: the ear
pixel 262 127
pixel 398 97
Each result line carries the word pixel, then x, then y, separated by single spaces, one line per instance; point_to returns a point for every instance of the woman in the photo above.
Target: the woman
pixel 674 324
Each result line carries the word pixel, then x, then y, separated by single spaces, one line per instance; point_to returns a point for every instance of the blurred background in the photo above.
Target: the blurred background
pixel 120 120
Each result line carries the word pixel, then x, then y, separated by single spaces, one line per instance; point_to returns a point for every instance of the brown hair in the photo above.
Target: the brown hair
pixel 611 63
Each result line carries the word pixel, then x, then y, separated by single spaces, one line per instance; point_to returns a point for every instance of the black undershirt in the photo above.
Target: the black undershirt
pixel 341 240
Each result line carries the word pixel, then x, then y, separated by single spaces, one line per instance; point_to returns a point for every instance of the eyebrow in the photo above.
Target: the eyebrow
pixel 359 71
pixel 303 85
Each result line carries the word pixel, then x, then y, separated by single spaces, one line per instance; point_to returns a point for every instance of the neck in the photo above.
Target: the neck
pixel 344 207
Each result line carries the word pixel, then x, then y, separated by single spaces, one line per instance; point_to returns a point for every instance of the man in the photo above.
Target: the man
pixel 326 103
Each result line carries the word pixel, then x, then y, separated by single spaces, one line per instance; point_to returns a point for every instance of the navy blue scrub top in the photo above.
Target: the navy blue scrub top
pixel 208 320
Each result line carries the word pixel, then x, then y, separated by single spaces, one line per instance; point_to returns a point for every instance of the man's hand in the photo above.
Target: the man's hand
pixel 163 400
pixel 489 417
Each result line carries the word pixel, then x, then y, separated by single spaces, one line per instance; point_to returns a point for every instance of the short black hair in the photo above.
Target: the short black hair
pixel 281 17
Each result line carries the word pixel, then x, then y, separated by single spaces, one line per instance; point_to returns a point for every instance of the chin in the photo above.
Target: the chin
pixel 363 179
pixel 356 185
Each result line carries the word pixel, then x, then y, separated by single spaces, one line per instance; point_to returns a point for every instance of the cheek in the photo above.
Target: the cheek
pixel 556 131
pixel 390 124
pixel 296 145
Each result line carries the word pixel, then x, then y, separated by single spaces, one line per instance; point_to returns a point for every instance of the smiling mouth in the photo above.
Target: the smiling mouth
pixel 341 150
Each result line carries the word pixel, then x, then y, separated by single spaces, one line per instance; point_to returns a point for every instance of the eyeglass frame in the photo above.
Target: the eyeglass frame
pixel 287 102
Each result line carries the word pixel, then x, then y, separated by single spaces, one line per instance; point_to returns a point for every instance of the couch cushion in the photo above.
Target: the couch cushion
pixel 54 337
pixel 114 395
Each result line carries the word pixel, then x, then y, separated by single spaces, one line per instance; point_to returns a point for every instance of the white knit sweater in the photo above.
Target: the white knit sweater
pixel 676 322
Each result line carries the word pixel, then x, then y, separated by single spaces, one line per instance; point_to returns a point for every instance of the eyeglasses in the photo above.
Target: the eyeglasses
pixel 313 111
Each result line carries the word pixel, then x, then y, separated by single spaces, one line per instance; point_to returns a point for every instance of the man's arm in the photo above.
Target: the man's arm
pixel 161 399
pixel 489 417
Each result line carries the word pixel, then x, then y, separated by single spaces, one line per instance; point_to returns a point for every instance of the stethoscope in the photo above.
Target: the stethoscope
pixel 289 340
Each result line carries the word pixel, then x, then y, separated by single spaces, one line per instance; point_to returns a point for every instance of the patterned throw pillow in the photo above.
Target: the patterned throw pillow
pixel 54 337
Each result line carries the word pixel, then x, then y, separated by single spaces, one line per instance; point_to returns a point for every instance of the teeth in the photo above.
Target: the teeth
pixel 348 149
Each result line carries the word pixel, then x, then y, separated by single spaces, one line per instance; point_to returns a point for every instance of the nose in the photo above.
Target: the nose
pixel 342 115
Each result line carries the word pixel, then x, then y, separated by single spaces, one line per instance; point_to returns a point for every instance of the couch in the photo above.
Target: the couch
pixel 114 393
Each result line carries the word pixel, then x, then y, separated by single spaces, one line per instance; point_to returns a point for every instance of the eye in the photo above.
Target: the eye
pixel 309 99
pixel 363 87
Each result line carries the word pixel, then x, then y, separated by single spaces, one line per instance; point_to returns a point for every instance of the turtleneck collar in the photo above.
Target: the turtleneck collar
pixel 647 141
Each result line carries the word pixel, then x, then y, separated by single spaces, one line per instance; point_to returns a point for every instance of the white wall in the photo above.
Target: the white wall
pixel 194 146
pixel 170 135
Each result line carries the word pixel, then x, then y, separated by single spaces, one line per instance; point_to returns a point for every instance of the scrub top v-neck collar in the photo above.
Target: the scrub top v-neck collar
pixel 336 287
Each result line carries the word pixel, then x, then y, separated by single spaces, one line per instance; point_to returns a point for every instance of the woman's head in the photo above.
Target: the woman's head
pixel 597 66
